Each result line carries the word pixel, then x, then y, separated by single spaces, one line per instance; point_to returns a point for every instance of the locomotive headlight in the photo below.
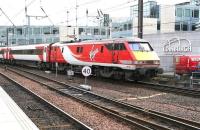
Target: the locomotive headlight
pixel 156 62
pixel 126 62
pixel 138 62
pixel 135 62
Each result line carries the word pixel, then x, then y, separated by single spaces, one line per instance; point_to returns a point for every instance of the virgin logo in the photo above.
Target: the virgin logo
pixel 93 52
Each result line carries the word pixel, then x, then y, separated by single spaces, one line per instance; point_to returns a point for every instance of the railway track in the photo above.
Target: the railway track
pixel 192 92
pixel 174 89
pixel 43 113
pixel 137 116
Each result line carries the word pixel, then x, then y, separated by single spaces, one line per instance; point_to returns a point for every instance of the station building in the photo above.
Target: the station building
pixel 20 35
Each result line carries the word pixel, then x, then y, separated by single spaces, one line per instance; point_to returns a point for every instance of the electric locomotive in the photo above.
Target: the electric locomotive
pixel 129 58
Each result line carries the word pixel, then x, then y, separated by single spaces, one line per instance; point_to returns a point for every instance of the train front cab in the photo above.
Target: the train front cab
pixel 145 59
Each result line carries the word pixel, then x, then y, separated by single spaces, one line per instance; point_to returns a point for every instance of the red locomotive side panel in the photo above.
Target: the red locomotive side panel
pixel 56 54
pixel 100 52
pixel 59 55
pixel 187 64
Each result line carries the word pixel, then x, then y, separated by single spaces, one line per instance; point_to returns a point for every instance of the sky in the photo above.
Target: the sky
pixel 57 10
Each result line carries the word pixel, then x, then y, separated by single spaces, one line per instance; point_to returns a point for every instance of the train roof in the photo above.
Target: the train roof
pixel 119 39
pixel 130 39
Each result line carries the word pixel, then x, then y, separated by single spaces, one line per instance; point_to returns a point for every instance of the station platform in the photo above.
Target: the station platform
pixel 11 115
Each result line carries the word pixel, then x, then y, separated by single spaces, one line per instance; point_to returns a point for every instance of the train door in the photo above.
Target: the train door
pixel 4 53
pixel 54 53
pixel 7 54
pixel 115 53
pixel 45 54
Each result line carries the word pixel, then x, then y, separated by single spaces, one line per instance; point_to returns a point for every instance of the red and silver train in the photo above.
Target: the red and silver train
pixel 129 58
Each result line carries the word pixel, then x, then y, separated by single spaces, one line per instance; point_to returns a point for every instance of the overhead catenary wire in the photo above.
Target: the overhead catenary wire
pixel 114 9
pixel 7 16
pixel 47 16
pixel 21 11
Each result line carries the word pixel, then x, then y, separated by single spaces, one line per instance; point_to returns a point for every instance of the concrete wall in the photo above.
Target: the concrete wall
pixel 149 26
pixel 167 18
pixel 67 33
pixel 159 40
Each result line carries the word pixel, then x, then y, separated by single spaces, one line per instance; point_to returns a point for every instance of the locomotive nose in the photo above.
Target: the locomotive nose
pixel 145 56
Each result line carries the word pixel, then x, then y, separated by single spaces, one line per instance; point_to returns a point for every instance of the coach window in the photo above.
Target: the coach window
pixel 109 46
pixel 102 49
pixel 79 49
pixel 119 46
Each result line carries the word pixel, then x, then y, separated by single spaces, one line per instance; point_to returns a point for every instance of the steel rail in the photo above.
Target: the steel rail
pixel 174 89
pixel 172 119
pixel 75 122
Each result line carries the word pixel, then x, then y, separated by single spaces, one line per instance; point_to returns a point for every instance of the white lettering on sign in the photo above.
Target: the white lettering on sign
pixel 86 71
pixel 179 45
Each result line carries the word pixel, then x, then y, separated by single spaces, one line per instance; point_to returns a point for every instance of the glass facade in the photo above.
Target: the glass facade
pixel 21 35
pixel 150 10
pixel 187 15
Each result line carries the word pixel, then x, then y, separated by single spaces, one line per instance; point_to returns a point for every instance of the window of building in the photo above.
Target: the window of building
pixel 179 12
pixel 38 40
pixel 36 31
pixel 129 26
pixel 56 39
pixel 196 13
pixel 48 40
pixel 185 27
pixel 19 31
pixel 21 41
pixel 31 41
pixel 80 30
pixel 177 26
pixel 96 31
pixel 187 13
pixel 193 27
pixel 30 31
pixel 103 32
pixel 158 25
pixel 55 31
pixel 3 33
pixel 74 31
pixel 11 31
pixel 125 26
pixel 46 30
pixel 13 41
